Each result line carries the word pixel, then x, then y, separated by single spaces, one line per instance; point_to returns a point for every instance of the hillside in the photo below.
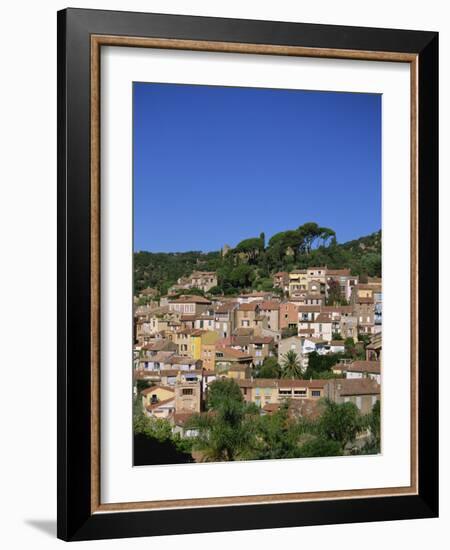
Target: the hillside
pixel 251 264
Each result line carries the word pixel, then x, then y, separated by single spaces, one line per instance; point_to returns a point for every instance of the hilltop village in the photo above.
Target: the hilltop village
pixel 315 337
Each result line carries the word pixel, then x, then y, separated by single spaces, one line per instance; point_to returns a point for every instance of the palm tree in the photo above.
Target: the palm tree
pixel 227 431
pixel 291 365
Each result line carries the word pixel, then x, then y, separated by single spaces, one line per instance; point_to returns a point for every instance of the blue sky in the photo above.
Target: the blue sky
pixel 215 165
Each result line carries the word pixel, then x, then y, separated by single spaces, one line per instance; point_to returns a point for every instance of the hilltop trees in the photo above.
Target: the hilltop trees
pixel 252 262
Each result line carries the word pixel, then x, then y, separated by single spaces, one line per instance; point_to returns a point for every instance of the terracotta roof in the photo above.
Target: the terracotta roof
pixel 180 360
pixel 156 405
pixel 337 309
pixel 230 352
pixel 373 367
pixel 251 306
pixel 185 331
pixel 295 383
pixel 361 300
pixel 244 331
pixel 159 311
pixel 141 374
pixel 169 372
pixel 255 295
pixel 308 309
pixel 281 274
pixel 270 304
pixel 357 386
pixel 337 343
pixel 157 345
pixel 226 307
pixel 323 318
pixel 261 339
pixel 281 383
pixel 160 357
pixel 338 272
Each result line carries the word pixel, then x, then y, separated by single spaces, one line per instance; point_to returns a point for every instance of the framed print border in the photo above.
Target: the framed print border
pixel 81 34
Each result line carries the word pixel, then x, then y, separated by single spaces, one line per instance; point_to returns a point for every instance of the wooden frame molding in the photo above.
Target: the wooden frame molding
pixel 96 42
pixel 82 33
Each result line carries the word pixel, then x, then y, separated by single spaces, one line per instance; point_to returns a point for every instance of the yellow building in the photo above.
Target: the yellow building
pixel 203 347
pixel 158 401
pixel 298 281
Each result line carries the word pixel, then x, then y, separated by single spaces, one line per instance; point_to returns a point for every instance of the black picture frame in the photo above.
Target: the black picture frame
pixel 75 519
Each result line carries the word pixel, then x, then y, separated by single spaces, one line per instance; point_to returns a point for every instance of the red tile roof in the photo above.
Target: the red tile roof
pixel 270 305
pixel 251 306
pixel 373 367
pixel 357 386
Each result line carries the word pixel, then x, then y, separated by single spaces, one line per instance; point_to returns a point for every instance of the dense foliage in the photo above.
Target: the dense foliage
pixel 252 262
pixel 234 430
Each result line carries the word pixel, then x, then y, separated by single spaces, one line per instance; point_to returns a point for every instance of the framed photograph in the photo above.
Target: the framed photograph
pixel 248 301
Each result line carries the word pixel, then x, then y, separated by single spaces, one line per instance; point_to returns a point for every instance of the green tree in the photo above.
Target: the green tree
pixel 252 248
pixel 227 431
pixel 320 366
pixel 156 428
pixel 340 422
pixel 222 390
pixel 320 446
pixel 373 423
pixel 277 435
pixel 269 369
pixel 334 293
pixel 142 385
pixel 291 365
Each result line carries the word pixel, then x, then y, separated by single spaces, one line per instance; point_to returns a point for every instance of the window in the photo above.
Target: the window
pixel 187 391
pixel 315 393
pixel 300 393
